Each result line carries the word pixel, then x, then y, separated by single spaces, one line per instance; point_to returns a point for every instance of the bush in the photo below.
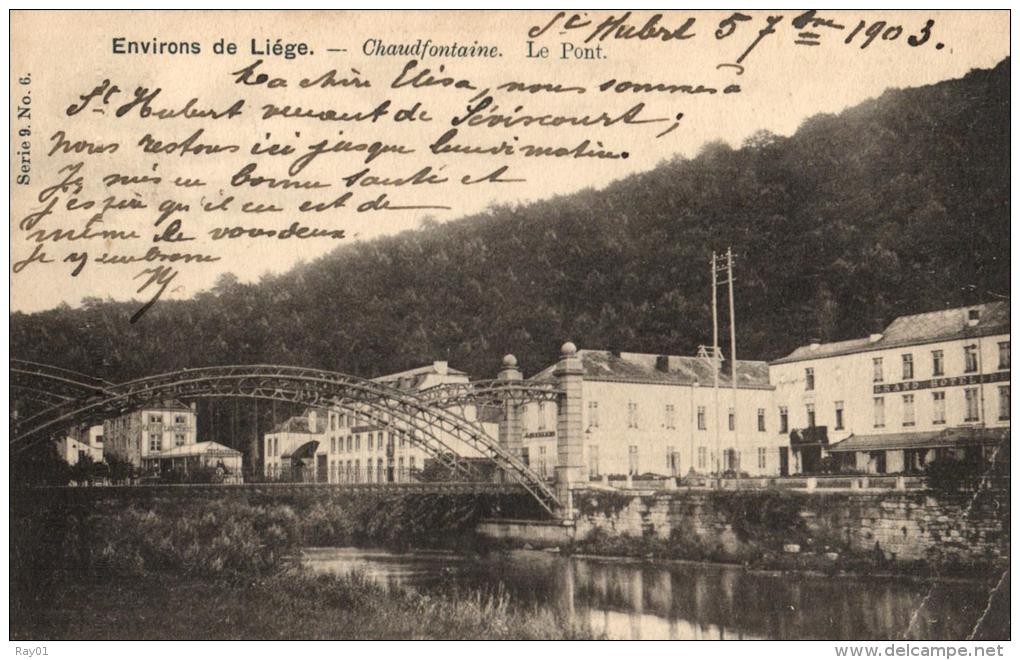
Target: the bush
pixel 951 476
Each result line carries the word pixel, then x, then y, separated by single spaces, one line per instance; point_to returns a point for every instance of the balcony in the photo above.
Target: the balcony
pixel 811 436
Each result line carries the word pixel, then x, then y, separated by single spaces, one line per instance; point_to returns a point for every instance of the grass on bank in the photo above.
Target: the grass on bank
pixel 293 604
pixel 227 570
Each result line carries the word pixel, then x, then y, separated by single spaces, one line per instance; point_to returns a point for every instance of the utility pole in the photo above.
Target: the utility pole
pixel 733 349
pixel 715 362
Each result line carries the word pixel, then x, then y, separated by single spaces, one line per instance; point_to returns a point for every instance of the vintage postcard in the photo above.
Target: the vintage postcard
pixel 559 324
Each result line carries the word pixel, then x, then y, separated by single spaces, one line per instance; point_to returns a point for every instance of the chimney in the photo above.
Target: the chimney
pixel 441 367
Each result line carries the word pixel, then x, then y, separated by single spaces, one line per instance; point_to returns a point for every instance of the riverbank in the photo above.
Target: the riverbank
pixel 293 604
pixel 201 569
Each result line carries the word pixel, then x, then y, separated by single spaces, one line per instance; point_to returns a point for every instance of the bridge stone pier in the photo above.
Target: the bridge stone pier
pixel 570 472
pixel 510 431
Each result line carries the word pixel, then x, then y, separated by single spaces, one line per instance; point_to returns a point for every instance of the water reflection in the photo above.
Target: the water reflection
pixel 627 600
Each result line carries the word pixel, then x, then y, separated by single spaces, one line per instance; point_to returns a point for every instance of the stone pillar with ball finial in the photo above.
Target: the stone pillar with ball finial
pixel 510 432
pixel 569 374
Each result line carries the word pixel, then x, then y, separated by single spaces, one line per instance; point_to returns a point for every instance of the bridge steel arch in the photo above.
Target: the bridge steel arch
pixel 495 392
pixel 42 386
pixel 426 422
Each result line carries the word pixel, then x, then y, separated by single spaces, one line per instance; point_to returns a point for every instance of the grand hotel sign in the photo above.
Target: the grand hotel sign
pixel 947 381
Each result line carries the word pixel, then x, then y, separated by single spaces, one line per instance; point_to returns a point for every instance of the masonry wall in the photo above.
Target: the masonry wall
pixel 910 526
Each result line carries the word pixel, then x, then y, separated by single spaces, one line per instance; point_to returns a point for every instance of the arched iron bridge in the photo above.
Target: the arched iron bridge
pixel 427 418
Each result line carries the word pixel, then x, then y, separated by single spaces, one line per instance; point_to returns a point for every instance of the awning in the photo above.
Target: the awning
pixel 960 436
pixel 197 449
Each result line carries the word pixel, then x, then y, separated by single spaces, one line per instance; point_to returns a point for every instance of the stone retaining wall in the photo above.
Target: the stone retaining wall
pixel 903 526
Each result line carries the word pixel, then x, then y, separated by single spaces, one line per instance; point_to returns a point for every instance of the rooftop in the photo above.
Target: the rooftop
pixel 412 378
pixel 303 423
pixel 663 369
pixel 951 437
pixel 945 325
pixel 163 404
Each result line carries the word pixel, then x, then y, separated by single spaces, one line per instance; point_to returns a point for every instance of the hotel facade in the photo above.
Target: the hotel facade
pixel 933 385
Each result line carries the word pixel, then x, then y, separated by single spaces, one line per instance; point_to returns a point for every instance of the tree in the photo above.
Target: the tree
pixel 39 465
pixel 84 471
pixel 120 470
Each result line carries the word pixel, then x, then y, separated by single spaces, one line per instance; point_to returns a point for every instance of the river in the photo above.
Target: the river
pixel 671 600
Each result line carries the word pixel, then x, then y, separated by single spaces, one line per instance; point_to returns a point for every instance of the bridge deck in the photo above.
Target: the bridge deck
pixel 214 490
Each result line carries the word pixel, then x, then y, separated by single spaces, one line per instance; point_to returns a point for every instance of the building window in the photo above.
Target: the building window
pixel 332 422
pixel 155 419
pixel 180 420
pixel 1003 402
pixel 761 458
pixel 731 419
pixel 593 461
pixel 155 442
pixel 971 397
pixel 879 404
pixel 357 443
pixel 784 419
pixel 410 463
pixel 179 439
pixel 970 359
pixel 632 420
pixel 632 460
pixel 672 461
pixel 908 366
pixel 593 414
pixel 1004 355
pixel 701 418
pixel 761 420
pixel 702 457
pixel 876 370
pixel 908 410
pixel 670 416
pixel 839 416
pixel 938 400
pixel 371 440
pixel 541 416
pixel 810 408
pixel 937 363
pixel 809 379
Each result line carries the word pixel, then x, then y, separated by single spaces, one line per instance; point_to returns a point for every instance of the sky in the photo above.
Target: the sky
pixel 782 84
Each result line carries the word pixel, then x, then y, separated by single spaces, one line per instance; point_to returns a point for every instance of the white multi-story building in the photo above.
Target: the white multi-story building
pixel 80 442
pixel 349 445
pixel 661 414
pixel 931 385
pixel 150 430
pixel 160 438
